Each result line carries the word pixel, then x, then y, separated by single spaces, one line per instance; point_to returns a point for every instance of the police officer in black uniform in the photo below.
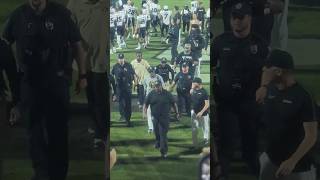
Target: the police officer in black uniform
pixel 44 32
pixel 186 18
pixel 124 75
pixel 183 80
pixel 188 57
pixel 238 57
pixel 262 13
pixel 164 70
pixel 160 101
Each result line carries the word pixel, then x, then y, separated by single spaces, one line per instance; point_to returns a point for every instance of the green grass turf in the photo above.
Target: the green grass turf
pixel 138 159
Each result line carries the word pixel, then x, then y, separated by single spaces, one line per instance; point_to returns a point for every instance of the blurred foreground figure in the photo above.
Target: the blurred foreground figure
pixel 44 33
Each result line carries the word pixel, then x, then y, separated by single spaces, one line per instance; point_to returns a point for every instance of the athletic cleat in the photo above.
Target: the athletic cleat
pixel 150 131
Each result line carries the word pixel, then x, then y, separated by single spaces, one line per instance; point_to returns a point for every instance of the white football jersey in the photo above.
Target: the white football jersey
pixel 166 16
pixel 113 19
pixel 208 13
pixel 142 21
pixel 154 8
pixel 121 18
pixel 145 11
pixel 194 6
pixel 131 11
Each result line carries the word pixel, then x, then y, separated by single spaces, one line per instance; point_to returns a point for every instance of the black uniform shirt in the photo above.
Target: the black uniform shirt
pixel 198 98
pixel 187 58
pixel 200 13
pixel 239 65
pixel 124 75
pixel 285 111
pixel 174 34
pixel 184 82
pixel 186 15
pixel 164 71
pixel 160 103
pixel 42 41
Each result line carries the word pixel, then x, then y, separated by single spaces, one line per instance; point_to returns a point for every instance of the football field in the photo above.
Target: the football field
pixel 137 157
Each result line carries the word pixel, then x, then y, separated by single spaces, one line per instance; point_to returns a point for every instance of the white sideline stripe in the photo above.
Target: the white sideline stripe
pixel 158 155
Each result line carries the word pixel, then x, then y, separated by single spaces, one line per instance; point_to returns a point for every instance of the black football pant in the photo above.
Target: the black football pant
pixel 161 128
pixel 185 24
pixel 164 27
pixel 97 102
pixel 46 109
pixel 124 98
pixel 233 117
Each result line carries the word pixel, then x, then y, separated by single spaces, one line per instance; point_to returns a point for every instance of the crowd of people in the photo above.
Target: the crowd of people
pixel 256 93
pixel 188 28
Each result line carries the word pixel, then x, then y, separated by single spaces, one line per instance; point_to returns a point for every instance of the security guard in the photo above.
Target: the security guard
pixel 44 32
pixel 160 101
pixel 124 75
pixel 262 13
pixel 188 57
pixel 199 113
pixel 164 71
pixel 183 80
pixel 238 57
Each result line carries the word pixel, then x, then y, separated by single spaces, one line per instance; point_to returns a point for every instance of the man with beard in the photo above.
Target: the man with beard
pixel 44 33
pixel 149 84
pixel 160 102
pixel 238 57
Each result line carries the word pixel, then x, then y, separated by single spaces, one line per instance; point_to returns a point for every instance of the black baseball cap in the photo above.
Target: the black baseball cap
pixel 163 60
pixel 185 65
pixel 120 56
pixel 241 9
pixel 281 59
pixel 197 80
